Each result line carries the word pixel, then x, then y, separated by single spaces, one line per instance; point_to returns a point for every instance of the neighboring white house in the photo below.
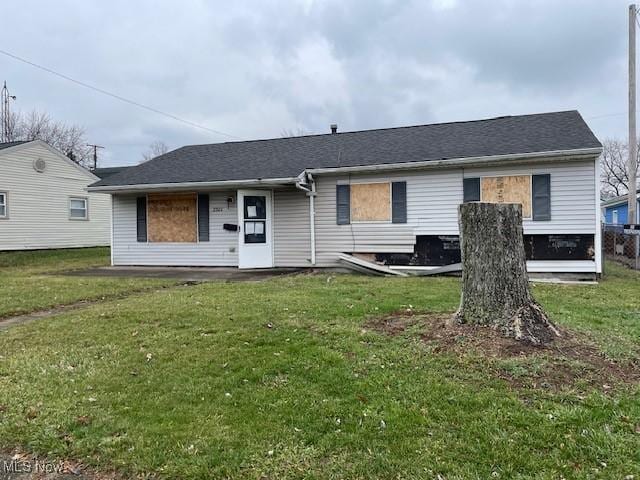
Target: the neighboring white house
pixel 44 202
pixel 389 194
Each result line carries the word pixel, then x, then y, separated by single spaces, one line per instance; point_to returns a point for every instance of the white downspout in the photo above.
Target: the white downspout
pixel 598 233
pixel 111 235
pixel 306 183
pixel 312 218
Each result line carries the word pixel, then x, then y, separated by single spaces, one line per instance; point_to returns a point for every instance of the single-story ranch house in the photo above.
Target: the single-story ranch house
pixel 44 201
pixel 390 194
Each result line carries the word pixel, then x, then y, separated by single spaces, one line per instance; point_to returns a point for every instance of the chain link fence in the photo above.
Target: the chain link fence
pixel 620 246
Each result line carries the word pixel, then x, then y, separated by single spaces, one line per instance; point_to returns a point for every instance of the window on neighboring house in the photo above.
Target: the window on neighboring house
pixel 378 202
pixel 614 217
pixel 3 205
pixel 78 208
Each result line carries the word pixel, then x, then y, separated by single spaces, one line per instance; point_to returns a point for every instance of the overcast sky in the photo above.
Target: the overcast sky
pixel 257 69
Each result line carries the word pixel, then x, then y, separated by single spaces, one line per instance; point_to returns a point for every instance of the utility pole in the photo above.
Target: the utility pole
pixel 6 133
pixel 95 154
pixel 633 139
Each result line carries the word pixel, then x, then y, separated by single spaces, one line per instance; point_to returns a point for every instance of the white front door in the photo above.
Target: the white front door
pixel 255 249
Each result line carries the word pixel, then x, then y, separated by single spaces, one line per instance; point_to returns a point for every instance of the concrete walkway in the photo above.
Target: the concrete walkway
pixel 187 274
pixel 7 322
pixel 191 276
pixel 40 314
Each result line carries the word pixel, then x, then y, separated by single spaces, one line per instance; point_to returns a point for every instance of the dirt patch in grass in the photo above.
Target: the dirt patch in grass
pixel 571 362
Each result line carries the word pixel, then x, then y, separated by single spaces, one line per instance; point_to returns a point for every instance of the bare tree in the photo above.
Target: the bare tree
pixel 156 149
pixel 69 139
pixel 613 163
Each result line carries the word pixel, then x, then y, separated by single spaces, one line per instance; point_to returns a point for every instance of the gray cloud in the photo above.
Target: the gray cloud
pixel 256 69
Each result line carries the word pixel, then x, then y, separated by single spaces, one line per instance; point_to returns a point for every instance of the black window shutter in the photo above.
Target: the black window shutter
pixel 203 217
pixel 343 204
pixel 541 197
pixel 471 188
pixel 399 202
pixel 141 218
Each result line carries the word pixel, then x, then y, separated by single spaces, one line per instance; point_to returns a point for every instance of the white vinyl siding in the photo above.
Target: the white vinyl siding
pixel 567 266
pixel 291 229
pixel 38 203
pixel 433 197
pixel 428 194
pixel 573 196
pixel 291 233
pixel 219 251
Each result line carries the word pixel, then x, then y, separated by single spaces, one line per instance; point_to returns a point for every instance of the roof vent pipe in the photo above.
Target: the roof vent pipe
pixel 334 128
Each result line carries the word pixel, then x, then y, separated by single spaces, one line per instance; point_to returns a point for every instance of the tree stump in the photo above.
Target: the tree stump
pixel 495 284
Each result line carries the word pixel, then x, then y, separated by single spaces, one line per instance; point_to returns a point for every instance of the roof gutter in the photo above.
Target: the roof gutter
pixel 144 187
pixel 541 156
pixel 611 203
pixel 617 200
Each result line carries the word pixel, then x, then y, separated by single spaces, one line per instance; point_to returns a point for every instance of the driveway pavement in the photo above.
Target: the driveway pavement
pixel 188 274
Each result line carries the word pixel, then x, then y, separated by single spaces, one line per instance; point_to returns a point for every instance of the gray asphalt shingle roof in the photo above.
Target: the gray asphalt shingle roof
pixel 108 171
pixel 10 144
pixel 288 157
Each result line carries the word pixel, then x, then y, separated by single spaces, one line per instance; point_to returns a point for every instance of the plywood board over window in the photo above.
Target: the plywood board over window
pixel 172 217
pixel 508 189
pixel 371 202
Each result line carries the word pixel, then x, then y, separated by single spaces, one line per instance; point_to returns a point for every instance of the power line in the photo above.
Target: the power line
pixel 117 97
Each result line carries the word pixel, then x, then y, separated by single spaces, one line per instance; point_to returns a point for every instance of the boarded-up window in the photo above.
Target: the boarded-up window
pixel 370 202
pixel 508 189
pixel 172 217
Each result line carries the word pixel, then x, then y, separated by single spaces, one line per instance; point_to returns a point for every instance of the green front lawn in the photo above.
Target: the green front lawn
pixel 32 280
pixel 283 379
